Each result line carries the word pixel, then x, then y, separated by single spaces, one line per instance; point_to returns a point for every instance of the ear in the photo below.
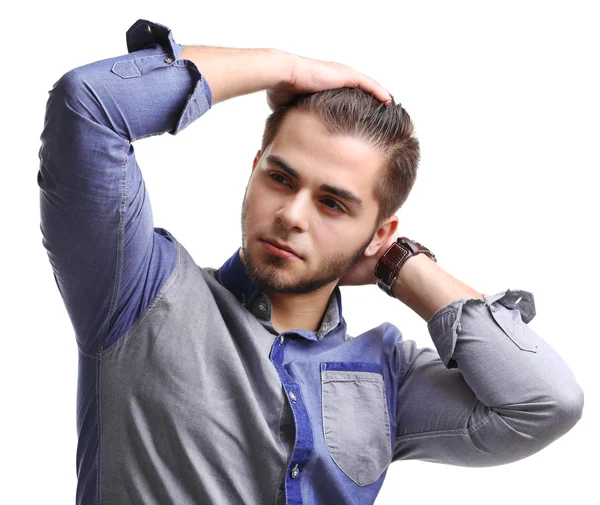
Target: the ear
pixel 382 236
pixel 256 158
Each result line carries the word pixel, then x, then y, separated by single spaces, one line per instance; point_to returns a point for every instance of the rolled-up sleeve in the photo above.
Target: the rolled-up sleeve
pixel 493 393
pixel 95 215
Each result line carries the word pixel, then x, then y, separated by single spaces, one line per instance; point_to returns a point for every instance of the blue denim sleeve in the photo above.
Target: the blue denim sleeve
pixel 493 393
pixel 95 214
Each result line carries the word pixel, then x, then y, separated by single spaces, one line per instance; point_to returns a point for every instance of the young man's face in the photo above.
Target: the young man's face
pixel 329 233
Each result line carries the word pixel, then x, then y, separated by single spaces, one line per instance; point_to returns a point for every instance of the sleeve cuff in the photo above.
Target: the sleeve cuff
pixel 143 34
pixel 445 325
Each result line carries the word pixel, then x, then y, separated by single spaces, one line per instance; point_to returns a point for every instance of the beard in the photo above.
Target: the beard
pixel 268 273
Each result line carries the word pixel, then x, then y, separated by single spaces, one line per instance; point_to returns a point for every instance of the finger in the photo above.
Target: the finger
pixel 363 81
pixel 373 87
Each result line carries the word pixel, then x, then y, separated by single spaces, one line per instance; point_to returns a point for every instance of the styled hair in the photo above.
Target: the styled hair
pixel 357 113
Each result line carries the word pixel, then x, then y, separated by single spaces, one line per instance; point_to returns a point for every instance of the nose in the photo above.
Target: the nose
pixel 294 211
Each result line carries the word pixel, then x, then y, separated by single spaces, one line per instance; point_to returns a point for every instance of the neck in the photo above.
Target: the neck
pixel 298 312
pixel 294 312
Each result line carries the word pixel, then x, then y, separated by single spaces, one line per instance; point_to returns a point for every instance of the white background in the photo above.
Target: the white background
pixel 505 98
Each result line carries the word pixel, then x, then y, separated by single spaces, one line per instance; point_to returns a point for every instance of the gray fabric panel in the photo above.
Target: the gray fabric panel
pixel 191 405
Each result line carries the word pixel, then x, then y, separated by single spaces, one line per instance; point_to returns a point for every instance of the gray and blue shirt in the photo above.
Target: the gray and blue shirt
pixel 187 394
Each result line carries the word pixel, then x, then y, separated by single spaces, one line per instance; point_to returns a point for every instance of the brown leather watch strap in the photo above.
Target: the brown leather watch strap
pixel 390 263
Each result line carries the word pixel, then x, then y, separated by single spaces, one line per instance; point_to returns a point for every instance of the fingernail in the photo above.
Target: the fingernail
pixel 387 103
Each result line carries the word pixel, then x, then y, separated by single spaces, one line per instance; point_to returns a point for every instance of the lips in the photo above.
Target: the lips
pixel 284 247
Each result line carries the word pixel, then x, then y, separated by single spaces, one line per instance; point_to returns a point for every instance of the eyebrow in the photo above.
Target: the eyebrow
pixel 334 190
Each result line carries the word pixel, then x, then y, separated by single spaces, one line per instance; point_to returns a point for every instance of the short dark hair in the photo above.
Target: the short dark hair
pixel 355 112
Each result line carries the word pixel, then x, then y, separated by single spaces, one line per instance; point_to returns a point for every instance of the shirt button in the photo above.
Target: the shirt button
pixel 458 328
pixel 281 339
pixel 492 308
pixel 295 471
pixel 292 396
pixel 169 60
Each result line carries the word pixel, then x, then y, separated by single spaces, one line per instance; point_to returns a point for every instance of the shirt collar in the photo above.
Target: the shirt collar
pixel 234 276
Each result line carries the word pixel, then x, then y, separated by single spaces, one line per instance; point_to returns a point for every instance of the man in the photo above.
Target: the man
pixel 240 385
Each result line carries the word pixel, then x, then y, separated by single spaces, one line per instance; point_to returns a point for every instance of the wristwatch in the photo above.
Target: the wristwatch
pixel 388 266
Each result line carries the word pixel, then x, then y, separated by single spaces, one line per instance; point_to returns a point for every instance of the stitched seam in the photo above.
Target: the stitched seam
pixel 325 434
pixel 134 60
pixel 116 290
pixel 92 356
pixel 459 315
pixel 446 433
pixel 351 380
pixel 448 350
pixel 313 447
pixel 142 58
pixel 120 62
pixel 150 135
pixel 293 413
pixel 279 486
pixel 285 450
pixel 401 362
pixel 409 369
pixel 388 436
pixel 283 361
pixel 120 246
pixel 99 418
pixel 511 331
pixel 121 340
pixel 280 418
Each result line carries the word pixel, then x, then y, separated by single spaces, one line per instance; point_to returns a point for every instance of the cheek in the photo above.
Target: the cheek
pixel 330 236
pixel 258 205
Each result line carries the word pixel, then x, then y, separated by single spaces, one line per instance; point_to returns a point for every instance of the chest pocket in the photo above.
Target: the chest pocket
pixel 356 424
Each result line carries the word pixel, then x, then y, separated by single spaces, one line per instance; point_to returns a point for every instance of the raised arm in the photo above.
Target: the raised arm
pixel 235 72
pixel 96 219
pixel 494 392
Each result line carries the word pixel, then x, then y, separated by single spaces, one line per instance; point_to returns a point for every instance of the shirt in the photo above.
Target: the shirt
pixel 186 392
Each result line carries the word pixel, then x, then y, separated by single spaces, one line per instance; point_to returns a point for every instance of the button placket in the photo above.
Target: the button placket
pixel 304 442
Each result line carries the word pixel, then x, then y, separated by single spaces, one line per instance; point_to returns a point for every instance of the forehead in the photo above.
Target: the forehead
pixel 304 143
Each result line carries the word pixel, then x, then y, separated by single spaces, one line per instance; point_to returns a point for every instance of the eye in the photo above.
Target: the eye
pixel 337 207
pixel 280 179
pixel 273 176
